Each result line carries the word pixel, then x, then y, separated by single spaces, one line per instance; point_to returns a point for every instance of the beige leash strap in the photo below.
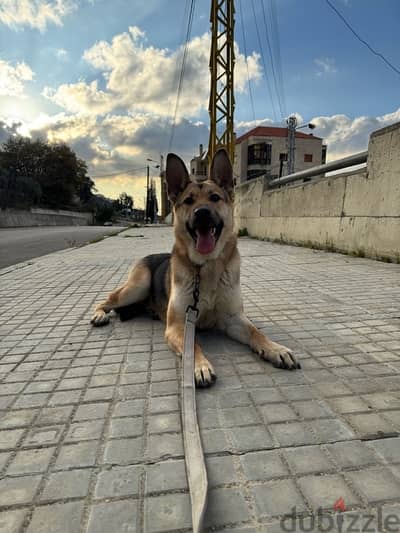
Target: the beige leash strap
pixel 194 457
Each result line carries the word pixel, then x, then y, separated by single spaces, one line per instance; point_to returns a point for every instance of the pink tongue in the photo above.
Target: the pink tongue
pixel 205 243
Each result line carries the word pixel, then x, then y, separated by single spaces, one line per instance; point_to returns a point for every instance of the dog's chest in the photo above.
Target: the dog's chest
pixel 214 299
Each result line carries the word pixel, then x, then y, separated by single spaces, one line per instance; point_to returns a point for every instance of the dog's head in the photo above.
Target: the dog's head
pixel 203 212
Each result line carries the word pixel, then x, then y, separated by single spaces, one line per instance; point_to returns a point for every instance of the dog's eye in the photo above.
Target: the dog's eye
pixel 189 200
pixel 215 198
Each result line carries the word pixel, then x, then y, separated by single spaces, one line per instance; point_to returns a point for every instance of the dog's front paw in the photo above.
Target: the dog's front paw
pixel 204 374
pixel 279 356
pixel 100 318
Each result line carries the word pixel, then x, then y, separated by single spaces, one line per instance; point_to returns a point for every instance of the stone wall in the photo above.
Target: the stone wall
pixel 355 212
pixel 16 218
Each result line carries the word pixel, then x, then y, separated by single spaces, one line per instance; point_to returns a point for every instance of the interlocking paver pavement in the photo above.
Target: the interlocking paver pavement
pixel 90 431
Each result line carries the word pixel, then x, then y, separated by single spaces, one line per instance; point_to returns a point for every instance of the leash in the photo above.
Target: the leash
pixel 194 457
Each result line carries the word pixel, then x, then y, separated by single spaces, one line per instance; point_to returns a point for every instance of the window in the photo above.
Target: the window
pixel 259 154
pixel 307 158
pixel 283 157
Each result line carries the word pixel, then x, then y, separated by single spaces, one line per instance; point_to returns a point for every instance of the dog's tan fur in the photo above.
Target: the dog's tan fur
pixel 220 304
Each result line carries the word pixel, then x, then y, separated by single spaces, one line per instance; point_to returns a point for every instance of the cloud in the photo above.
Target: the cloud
pixel 326 65
pixel 80 97
pixel 35 13
pixel 346 136
pixel 12 78
pixel 143 79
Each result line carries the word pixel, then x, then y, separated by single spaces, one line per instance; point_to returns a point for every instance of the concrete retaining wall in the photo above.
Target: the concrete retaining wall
pixel 356 212
pixel 15 218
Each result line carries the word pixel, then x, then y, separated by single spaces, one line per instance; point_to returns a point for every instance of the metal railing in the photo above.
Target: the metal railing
pixel 339 164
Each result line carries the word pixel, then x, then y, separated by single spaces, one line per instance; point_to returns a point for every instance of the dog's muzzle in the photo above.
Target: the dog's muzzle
pixel 205 229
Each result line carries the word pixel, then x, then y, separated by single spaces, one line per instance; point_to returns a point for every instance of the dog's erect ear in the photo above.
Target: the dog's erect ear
pixel 221 170
pixel 176 175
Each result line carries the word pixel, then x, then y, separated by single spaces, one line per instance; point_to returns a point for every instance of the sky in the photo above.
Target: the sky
pixel 102 76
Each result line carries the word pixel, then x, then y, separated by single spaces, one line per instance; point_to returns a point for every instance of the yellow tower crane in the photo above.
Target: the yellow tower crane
pixel 222 61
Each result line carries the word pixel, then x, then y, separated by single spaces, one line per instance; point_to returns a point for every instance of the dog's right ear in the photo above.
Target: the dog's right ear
pixel 177 176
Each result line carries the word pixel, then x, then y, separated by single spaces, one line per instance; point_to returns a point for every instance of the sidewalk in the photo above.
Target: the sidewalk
pixel 90 433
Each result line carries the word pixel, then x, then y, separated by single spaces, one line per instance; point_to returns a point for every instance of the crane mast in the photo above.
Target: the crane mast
pixel 222 60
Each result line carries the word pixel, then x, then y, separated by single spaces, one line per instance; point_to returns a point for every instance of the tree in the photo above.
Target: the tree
pixel 54 169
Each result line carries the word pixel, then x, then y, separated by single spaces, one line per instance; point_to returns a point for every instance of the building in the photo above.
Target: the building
pixel 263 151
pixel 199 164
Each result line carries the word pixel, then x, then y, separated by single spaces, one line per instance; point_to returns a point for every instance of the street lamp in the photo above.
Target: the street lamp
pixel 147 186
pixel 292 127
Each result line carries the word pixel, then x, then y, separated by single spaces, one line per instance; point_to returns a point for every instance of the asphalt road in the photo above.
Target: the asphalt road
pixel 21 244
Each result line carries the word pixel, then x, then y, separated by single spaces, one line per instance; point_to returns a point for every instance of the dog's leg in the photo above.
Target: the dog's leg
pixel 204 373
pixel 241 329
pixel 136 289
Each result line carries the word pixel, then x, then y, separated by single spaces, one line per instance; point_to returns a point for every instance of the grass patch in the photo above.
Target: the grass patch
pixel 243 232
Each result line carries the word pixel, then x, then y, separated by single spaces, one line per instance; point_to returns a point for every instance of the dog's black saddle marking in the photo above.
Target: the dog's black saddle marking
pixel 158 265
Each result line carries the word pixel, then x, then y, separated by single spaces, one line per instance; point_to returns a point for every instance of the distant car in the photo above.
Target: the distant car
pixel 108 223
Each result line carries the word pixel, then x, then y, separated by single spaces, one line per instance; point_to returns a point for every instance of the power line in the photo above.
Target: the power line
pixel 245 57
pixel 275 35
pixel 388 63
pixel 129 171
pixel 182 73
pixel 263 60
pixel 272 59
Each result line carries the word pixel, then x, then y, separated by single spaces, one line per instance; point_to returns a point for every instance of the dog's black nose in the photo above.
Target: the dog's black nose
pixel 202 215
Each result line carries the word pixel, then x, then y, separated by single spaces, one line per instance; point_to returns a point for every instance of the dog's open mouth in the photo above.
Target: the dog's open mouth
pixel 206 238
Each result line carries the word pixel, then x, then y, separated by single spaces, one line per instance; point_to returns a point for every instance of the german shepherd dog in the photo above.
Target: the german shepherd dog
pixel 205 243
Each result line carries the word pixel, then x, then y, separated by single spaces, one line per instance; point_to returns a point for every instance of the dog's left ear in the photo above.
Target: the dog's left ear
pixel 177 176
pixel 221 170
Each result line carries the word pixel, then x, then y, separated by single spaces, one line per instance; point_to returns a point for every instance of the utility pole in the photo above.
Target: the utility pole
pixel 147 194
pixel 292 125
pixel 222 60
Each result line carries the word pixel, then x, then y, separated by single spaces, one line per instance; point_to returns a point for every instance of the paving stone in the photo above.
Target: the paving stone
pixel 44 435
pixel 323 491
pixel 307 459
pixel 226 506
pixel 376 484
pixel 162 423
pixel 126 427
pixel 353 454
pixel 277 412
pixel 17 419
pixel 11 521
pixel 9 438
pixel 170 445
pixel 292 434
pixel 166 476
pixel 18 490
pixel 118 481
pixel 76 455
pixel 221 471
pixel 263 466
pixel 124 451
pixel 129 408
pixel 91 411
pixel 69 484
pixel 389 449
pixel 31 461
pixel 272 499
pixel 167 513
pixel 370 425
pixel 331 430
pixel 63 517
pixel 259 425
pixel 113 516
pixel 163 404
pixel 214 440
pixel 250 438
